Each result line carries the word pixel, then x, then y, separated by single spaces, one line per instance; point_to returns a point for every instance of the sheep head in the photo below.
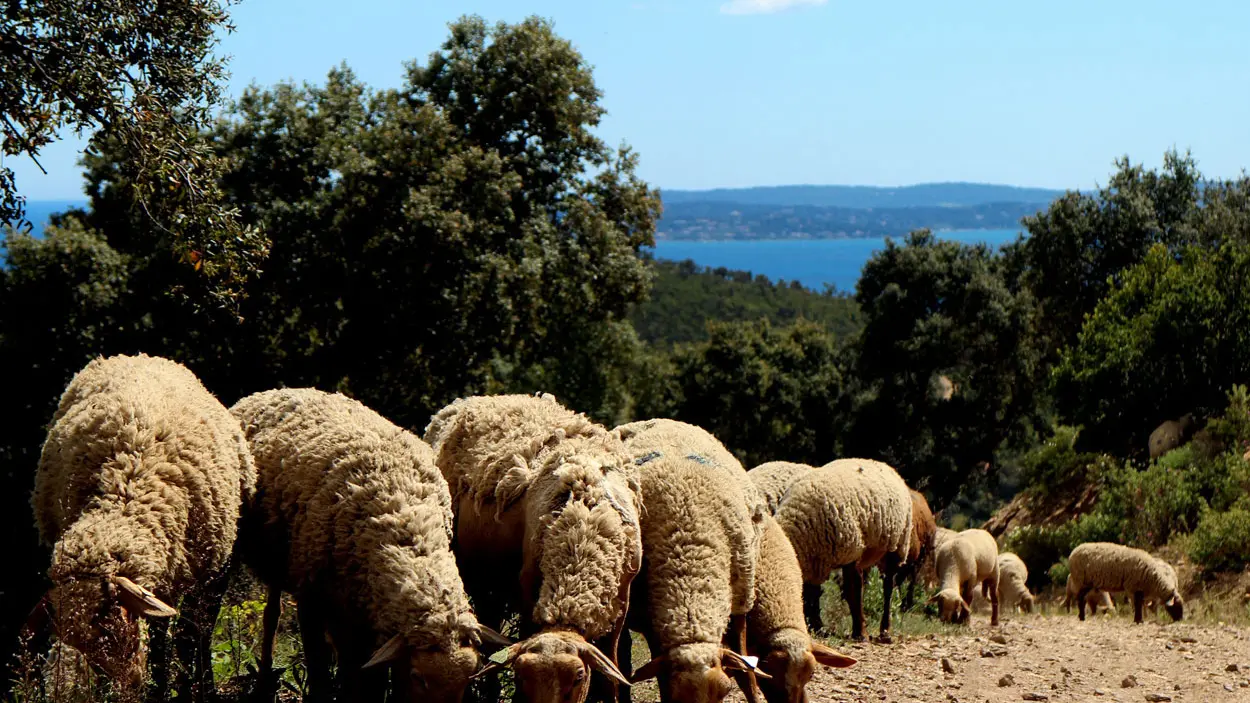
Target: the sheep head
pixel 100 617
pixel 435 673
pixel 951 606
pixel 697 673
pixel 554 667
pixel 790 663
pixel 1175 606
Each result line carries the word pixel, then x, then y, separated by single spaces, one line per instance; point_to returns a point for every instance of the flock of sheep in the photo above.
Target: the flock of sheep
pixel 406 556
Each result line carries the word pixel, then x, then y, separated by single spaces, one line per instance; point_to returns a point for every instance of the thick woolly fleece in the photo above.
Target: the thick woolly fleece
pixel 1113 567
pixel 776 622
pixel 567 487
pixel 143 475
pixel 695 494
pixel 849 511
pixel 774 478
pixel 354 518
pixel 1013 576
pixel 964 561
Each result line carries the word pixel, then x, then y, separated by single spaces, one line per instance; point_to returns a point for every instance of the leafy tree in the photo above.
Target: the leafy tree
pixel 767 392
pixel 1169 339
pixel 143 77
pixel 946 367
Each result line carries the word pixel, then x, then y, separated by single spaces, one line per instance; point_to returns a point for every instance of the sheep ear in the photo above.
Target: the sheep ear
pixel 140 600
pixel 594 658
pixel 730 659
pixel 388 653
pixel 831 657
pixel 490 636
pixel 649 670
pixel 1170 602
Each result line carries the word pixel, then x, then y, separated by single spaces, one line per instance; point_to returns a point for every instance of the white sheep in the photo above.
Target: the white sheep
pixel 776 632
pixel 1013 588
pixel 701 528
pixel 1113 567
pixel 354 519
pixel 850 514
pixel 774 478
pixel 545 493
pixel 963 561
pixel 139 491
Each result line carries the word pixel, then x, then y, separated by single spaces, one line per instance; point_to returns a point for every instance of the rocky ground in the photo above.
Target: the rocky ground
pixel 1045 658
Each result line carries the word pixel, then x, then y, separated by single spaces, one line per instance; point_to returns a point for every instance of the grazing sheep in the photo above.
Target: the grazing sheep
pixel 774 478
pixel 963 561
pixel 776 631
pixel 924 535
pixel 139 490
pixel 1013 589
pixel 1170 435
pixel 849 514
pixel 354 519
pixel 543 492
pixel 1095 599
pixel 701 530
pixel 1113 567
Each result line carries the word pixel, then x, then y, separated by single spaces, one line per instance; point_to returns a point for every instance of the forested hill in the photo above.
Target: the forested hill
pixel 684 297
pixel 923 195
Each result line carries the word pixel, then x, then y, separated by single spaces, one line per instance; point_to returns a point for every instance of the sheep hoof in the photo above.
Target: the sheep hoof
pixel 885 638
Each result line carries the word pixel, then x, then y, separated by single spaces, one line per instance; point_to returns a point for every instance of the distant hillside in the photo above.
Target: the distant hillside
pixel 923 195
pixel 720 220
pixel 685 296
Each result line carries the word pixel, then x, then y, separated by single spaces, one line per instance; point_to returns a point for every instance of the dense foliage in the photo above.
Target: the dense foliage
pixel 684 297
pixel 143 77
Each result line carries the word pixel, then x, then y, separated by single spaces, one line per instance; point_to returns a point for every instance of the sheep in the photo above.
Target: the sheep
pixel 701 530
pixel 353 518
pixel 1113 567
pixel 1095 599
pixel 543 492
pixel 774 478
pixel 776 631
pixel 924 535
pixel 139 491
pixel 853 514
pixel 963 561
pixel 1013 589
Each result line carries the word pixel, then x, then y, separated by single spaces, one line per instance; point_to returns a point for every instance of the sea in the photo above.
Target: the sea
pixel 812 262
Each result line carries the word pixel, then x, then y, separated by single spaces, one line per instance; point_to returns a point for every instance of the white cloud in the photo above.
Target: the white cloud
pixel 764 7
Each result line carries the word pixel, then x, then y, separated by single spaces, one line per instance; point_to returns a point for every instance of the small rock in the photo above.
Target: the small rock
pixel 1099 692
pixel 999 638
pixel 994 650
pixel 1054 687
pixel 1229 687
pixel 1233 668
pixel 1006 680
pixel 1064 670
pixel 1158 697
pixel 947 666
pixel 1188 640
pixel 1129 681
pixel 1035 696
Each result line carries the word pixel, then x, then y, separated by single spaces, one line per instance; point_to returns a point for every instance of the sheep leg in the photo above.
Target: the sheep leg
pixel 1080 601
pixel 889 571
pixel 266 681
pixel 853 593
pixel 1139 600
pixel 158 660
pixel 811 606
pixel 991 589
pixel 602 689
pixel 312 631
pixel 909 598
pixel 625 662
pixel 209 606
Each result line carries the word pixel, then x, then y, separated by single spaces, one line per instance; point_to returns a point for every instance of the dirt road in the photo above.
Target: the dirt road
pixel 1057 657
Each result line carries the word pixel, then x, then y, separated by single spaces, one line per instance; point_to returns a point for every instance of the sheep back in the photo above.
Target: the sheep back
pixel 850 511
pixel 352 509
pixel 774 478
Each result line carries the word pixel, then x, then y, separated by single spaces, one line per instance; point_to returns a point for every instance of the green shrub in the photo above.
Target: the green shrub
pixel 1055 463
pixel 1058 572
pixel 1221 542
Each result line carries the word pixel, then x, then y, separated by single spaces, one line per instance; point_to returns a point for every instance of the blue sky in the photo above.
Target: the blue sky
pixel 726 93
